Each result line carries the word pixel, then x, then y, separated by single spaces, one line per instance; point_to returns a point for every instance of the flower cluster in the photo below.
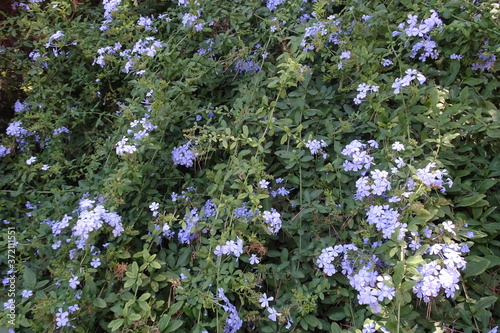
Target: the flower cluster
pixel 386 62
pixel 486 61
pixel 316 147
pixel 62 317
pixel 110 6
pixel 149 46
pixel 361 271
pixel 243 213
pixel 386 221
pixel 233 321
pixel 147 23
pixel 313 32
pixel 191 219
pixel 21 106
pixel 364 270
pixel 16 130
pixel 359 153
pixel 411 74
pixel 273 4
pixel 440 274
pixel 414 28
pixel 429 49
pixel 247 65
pixel 92 218
pixel 100 60
pixel 434 178
pixel 184 155
pixel 363 90
pixel 273 220
pixel 154 208
pixel 231 247
pixel 4 151
pixel 139 129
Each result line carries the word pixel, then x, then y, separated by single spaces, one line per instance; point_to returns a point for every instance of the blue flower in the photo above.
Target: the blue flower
pixel 62 318
pixel 273 314
pixel 184 155
pixel 273 220
pixel 96 262
pixel 73 282
pixel 254 259
pixel 264 300
pixel 31 160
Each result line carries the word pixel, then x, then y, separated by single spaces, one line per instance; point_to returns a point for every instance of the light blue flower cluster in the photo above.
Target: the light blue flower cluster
pixel 440 274
pixel 412 27
pixel 363 90
pixel 4 151
pixel 16 130
pixel 21 106
pixel 486 61
pixel 209 209
pixel 361 271
pixel 243 213
pixel 184 155
pixel 147 23
pixel 139 129
pixel 103 51
pixel 273 4
pixel 208 48
pixel 359 153
pixel 149 46
pixel 316 147
pixel 59 130
pixel 247 65
pixel 429 49
pixel 191 219
pixel 273 220
pixel 386 62
pixel 231 247
pixel 316 30
pixel 123 147
pixel 93 218
pixel 273 313
pixel 386 221
pixel 434 178
pixel 110 6
pixel 233 321
pixel 411 74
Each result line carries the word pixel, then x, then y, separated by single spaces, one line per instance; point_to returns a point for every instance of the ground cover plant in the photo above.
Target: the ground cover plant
pixel 250 166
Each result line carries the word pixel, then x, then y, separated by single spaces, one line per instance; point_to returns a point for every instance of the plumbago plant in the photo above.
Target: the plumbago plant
pixel 258 166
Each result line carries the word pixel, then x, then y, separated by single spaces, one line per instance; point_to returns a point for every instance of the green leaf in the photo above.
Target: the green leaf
pixel 114 325
pixel 144 296
pixel 335 328
pixel 134 269
pixel 99 302
pixel 486 302
pixel 174 325
pixel 29 279
pixel 470 200
pixel 175 308
pixel 473 81
pixel 134 317
pixel 129 283
pixel 164 321
pixel 312 321
pixel 398 273
pixel 475 266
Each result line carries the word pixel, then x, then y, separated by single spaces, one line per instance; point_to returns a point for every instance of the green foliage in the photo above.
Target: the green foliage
pixel 243 88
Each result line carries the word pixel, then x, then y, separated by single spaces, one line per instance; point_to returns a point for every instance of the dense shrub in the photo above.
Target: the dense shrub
pixel 277 166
